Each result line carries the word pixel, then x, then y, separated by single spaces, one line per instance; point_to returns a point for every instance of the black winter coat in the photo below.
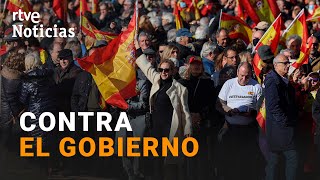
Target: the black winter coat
pixel 281 112
pixel 37 95
pixel 81 90
pixel 10 104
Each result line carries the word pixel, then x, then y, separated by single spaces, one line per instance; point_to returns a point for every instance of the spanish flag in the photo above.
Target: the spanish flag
pixel 113 67
pixel 15 5
pixel 299 27
pixel 90 30
pixel 271 38
pixel 94 6
pixel 261 10
pixel 176 13
pixel 60 9
pixel 237 27
pixel 82 8
pixel 315 16
pixel 261 116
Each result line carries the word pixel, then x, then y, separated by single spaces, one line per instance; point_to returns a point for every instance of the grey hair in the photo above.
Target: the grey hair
pixel 201 32
pixel 178 39
pixel 204 21
pixel 207 48
pixel 277 58
pixel 168 16
pixel 244 63
pixel 152 14
pixel 171 35
pixel 142 33
pixel 293 37
pixel 155 21
pixel 286 50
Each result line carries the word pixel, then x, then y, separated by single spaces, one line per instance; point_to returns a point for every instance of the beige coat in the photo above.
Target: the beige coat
pixel 178 94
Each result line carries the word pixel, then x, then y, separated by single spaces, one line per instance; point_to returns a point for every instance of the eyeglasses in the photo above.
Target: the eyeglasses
pixel 160 51
pixel 165 70
pixel 285 63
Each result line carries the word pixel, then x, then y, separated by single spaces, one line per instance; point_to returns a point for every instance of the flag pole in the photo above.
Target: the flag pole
pixel 253 50
pixel 137 18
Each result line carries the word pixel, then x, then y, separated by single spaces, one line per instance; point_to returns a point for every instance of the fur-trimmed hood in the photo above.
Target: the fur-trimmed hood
pixel 11 73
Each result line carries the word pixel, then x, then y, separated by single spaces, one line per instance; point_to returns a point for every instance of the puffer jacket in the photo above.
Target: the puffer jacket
pixel 37 94
pixel 10 87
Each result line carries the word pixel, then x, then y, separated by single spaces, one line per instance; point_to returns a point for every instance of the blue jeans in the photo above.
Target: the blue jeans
pixel 291 158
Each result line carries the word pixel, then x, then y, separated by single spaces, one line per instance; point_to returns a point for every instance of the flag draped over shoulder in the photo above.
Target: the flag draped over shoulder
pixel 237 27
pixel 261 10
pixel 15 5
pixel 271 38
pixel 90 30
pixel 112 67
pixel 299 27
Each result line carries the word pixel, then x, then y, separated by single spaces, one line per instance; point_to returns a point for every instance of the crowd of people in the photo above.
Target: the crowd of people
pixel 194 81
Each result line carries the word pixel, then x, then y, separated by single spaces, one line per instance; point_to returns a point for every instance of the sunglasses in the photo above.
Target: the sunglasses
pixel 164 70
pixel 160 51
pixel 314 79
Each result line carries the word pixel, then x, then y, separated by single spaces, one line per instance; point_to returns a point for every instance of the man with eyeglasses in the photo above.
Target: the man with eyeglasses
pixel 230 57
pixel 314 57
pixel 281 119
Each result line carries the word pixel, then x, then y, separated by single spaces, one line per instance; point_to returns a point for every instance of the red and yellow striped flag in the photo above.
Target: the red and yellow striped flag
pixel 177 16
pixel 60 9
pixel 90 30
pixel 299 27
pixel 261 116
pixel 113 67
pixel 83 7
pixel 315 16
pixel 262 10
pixel 94 6
pixel 271 38
pixel 15 5
pixel 237 27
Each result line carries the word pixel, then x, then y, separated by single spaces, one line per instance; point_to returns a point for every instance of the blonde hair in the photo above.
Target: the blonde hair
pixel 32 61
pixel 167 52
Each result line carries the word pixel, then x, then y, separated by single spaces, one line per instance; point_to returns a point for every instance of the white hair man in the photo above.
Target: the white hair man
pixel 208 53
pixel 167 20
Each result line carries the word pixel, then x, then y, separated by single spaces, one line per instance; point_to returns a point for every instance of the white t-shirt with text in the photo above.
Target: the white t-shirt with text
pixel 241 97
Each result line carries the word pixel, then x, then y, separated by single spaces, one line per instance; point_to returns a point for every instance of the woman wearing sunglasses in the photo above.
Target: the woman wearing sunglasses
pixel 170 113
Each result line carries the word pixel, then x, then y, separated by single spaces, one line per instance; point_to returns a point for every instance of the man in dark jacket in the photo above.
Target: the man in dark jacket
pixel 281 119
pixel 65 76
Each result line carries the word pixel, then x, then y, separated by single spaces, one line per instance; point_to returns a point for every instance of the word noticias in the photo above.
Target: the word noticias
pixel 19 30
